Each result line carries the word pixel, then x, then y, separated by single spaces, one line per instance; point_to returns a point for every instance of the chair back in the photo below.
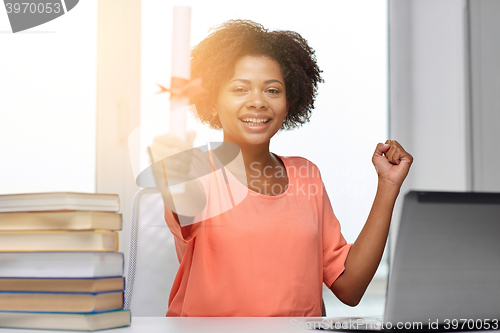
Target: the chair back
pixel 153 261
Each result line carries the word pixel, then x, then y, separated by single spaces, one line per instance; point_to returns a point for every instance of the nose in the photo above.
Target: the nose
pixel 256 100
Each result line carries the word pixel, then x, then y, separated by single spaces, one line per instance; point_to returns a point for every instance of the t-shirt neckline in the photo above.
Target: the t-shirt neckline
pixel 257 194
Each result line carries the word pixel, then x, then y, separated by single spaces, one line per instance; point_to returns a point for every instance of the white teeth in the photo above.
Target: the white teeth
pixel 255 120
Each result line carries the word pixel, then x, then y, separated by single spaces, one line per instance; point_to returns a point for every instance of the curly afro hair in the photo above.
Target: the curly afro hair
pixel 215 58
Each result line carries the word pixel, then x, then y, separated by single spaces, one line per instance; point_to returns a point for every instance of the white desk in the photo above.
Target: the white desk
pixel 209 325
pixel 199 325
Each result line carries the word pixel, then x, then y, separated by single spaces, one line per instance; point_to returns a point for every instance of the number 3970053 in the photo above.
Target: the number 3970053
pixel 31 7
pixel 471 324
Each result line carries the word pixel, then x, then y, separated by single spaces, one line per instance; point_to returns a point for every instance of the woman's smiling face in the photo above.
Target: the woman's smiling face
pixel 252 104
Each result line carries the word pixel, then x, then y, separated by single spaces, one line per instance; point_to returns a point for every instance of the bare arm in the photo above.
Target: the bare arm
pixel 366 252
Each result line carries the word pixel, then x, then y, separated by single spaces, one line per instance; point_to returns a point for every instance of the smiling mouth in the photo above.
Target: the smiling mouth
pixel 255 122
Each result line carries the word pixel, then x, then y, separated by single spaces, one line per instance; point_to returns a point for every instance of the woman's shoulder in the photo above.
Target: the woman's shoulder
pixel 301 166
pixel 298 161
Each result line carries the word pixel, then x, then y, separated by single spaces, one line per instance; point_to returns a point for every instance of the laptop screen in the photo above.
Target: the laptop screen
pixel 447 259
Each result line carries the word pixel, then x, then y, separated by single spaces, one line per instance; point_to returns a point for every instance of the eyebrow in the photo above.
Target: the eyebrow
pixel 265 82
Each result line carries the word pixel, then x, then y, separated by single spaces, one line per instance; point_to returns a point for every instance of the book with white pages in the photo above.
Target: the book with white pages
pixel 73 285
pixel 58 240
pixel 56 201
pixel 61 302
pixel 65 321
pixel 61 264
pixel 60 220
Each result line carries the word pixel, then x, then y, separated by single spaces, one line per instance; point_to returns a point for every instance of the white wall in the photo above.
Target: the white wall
pixel 429 93
pixel 47 104
pixel 118 102
pixel 485 87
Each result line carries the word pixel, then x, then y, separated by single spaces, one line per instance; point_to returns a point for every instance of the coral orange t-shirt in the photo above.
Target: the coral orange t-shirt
pixel 257 255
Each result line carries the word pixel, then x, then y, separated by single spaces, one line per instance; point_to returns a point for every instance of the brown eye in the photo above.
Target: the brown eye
pixel 273 91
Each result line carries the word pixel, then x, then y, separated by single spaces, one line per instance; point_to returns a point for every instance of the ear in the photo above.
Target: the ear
pixel 214 111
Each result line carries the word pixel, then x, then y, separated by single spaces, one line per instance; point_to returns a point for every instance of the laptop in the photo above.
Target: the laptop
pixel 445 275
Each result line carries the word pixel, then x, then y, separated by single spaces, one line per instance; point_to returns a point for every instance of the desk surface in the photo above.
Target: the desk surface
pixel 201 325
pixel 208 325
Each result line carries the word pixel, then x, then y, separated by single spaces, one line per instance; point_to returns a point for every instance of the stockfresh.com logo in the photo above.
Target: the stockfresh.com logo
pixel 25 14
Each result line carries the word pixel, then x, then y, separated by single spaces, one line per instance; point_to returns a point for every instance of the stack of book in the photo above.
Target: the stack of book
pixel 59 265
